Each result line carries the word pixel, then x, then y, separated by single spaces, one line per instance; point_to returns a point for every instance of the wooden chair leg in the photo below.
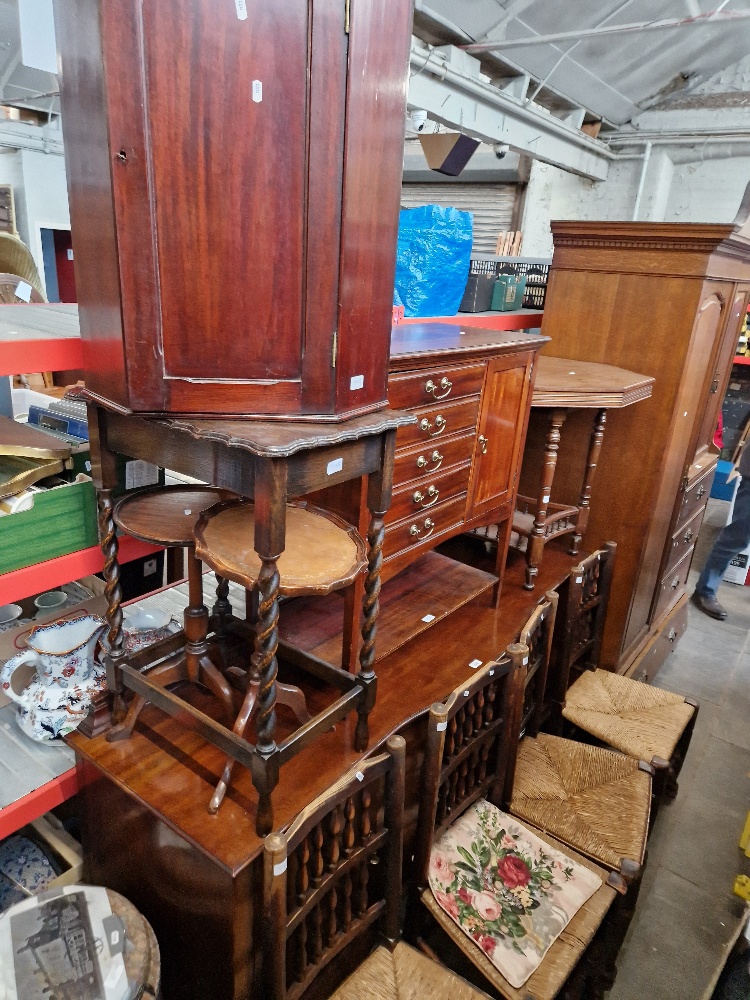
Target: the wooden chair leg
pixel 680 753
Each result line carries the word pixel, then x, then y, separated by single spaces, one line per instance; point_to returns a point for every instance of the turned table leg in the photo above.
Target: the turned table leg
pixel 592 460
pixel 535 544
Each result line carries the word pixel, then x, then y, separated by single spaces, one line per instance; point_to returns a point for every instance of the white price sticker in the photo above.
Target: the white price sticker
pixel 280 868
pixel 241 6
pixel 357 382
pixel 23 291
pixel 441 727
pixel 475 663
pixel 428 618
pixel 359 776
pixel 335 466
pixel 257 91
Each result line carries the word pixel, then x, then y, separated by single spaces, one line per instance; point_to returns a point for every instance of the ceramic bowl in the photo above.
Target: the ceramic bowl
pixel 141 620
pixel 51 600
pixel 9 613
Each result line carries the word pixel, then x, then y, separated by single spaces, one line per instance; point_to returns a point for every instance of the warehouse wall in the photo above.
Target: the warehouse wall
pixel 697 181
pixel 41 199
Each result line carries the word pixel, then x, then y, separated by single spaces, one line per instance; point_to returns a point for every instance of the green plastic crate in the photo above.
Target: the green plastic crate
pixel 62 520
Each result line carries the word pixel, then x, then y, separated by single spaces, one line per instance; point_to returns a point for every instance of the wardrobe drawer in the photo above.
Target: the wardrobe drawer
pixel 428 524
pixel 683 538
pixel 434 385
pixel 695 497
pixel 661 645
pixel 422 461
pixel 672 585
pixel 428 492
pixel 438 421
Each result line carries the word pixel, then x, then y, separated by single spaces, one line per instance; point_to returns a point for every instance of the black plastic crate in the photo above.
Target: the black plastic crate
pixel 536 270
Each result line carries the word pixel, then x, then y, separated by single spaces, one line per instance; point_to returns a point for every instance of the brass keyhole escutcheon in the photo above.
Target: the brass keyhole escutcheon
pixel 483 442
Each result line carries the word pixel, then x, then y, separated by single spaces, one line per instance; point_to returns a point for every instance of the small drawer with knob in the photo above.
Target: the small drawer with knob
pixel 673 585
pixel 437 422
pixel 424 526
pixel 428 492
pixel 420 460
pixel 684 538
pixel 695 497
pixel 434 385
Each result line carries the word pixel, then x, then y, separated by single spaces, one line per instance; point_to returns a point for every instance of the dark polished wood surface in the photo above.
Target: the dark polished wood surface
pixel 168 768
pixel 416 344
pixel 205 284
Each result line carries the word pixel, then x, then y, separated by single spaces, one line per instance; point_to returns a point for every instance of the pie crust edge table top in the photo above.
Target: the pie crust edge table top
pixel 567 383
pixel 322 552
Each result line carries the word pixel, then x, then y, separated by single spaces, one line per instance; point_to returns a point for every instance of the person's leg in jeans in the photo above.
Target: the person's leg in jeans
pixel 733 538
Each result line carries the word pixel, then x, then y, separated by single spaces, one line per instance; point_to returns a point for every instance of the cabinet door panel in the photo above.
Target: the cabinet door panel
pixel 502 427
pixel 228 182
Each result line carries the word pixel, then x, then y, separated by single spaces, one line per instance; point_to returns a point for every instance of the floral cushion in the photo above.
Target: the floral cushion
pixel 507 890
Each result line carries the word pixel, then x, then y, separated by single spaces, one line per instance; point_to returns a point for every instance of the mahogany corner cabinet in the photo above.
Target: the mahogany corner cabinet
pixel 234 173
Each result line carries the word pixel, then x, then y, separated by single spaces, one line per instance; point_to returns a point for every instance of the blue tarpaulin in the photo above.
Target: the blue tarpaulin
pixel 432 260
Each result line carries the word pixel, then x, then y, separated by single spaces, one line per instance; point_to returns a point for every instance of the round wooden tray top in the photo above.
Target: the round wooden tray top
pixel 322 553
pixel 166 515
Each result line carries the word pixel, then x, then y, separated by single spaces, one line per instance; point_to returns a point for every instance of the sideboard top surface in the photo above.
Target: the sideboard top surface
pixel 413 341
pixel 173 771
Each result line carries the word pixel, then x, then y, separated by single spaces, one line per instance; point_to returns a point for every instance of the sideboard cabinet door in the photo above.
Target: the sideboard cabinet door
pixel 503 420
pixel 234 173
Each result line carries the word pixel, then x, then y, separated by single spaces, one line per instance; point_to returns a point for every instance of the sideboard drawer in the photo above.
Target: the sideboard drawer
pixel 673 585
pixel 426 460
pixel 429 524
pixel 428 492
pixel 434 385
pixel 695 496
pixel 683 538
pixel 438 421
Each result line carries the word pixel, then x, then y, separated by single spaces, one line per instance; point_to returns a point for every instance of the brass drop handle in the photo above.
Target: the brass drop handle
pixel 672 635
pixel 483 442
pixel 421 462
pixel 437 458
pixel 423 498
pixel 440 424
pixel 700 492
pixel 416 532
pixel 687 536
pixel 675 583
pixel 445 384
pixel 715 383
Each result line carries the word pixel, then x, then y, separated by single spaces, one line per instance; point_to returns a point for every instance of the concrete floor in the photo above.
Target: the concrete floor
pixel 687 914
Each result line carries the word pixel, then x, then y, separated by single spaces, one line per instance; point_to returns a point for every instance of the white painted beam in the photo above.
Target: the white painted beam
pixel 22 135
pixel 473 106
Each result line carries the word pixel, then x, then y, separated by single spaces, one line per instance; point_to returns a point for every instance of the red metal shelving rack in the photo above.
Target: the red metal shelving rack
pixel 22 354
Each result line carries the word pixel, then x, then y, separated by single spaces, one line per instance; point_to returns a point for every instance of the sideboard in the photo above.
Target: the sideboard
pixel 457 468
